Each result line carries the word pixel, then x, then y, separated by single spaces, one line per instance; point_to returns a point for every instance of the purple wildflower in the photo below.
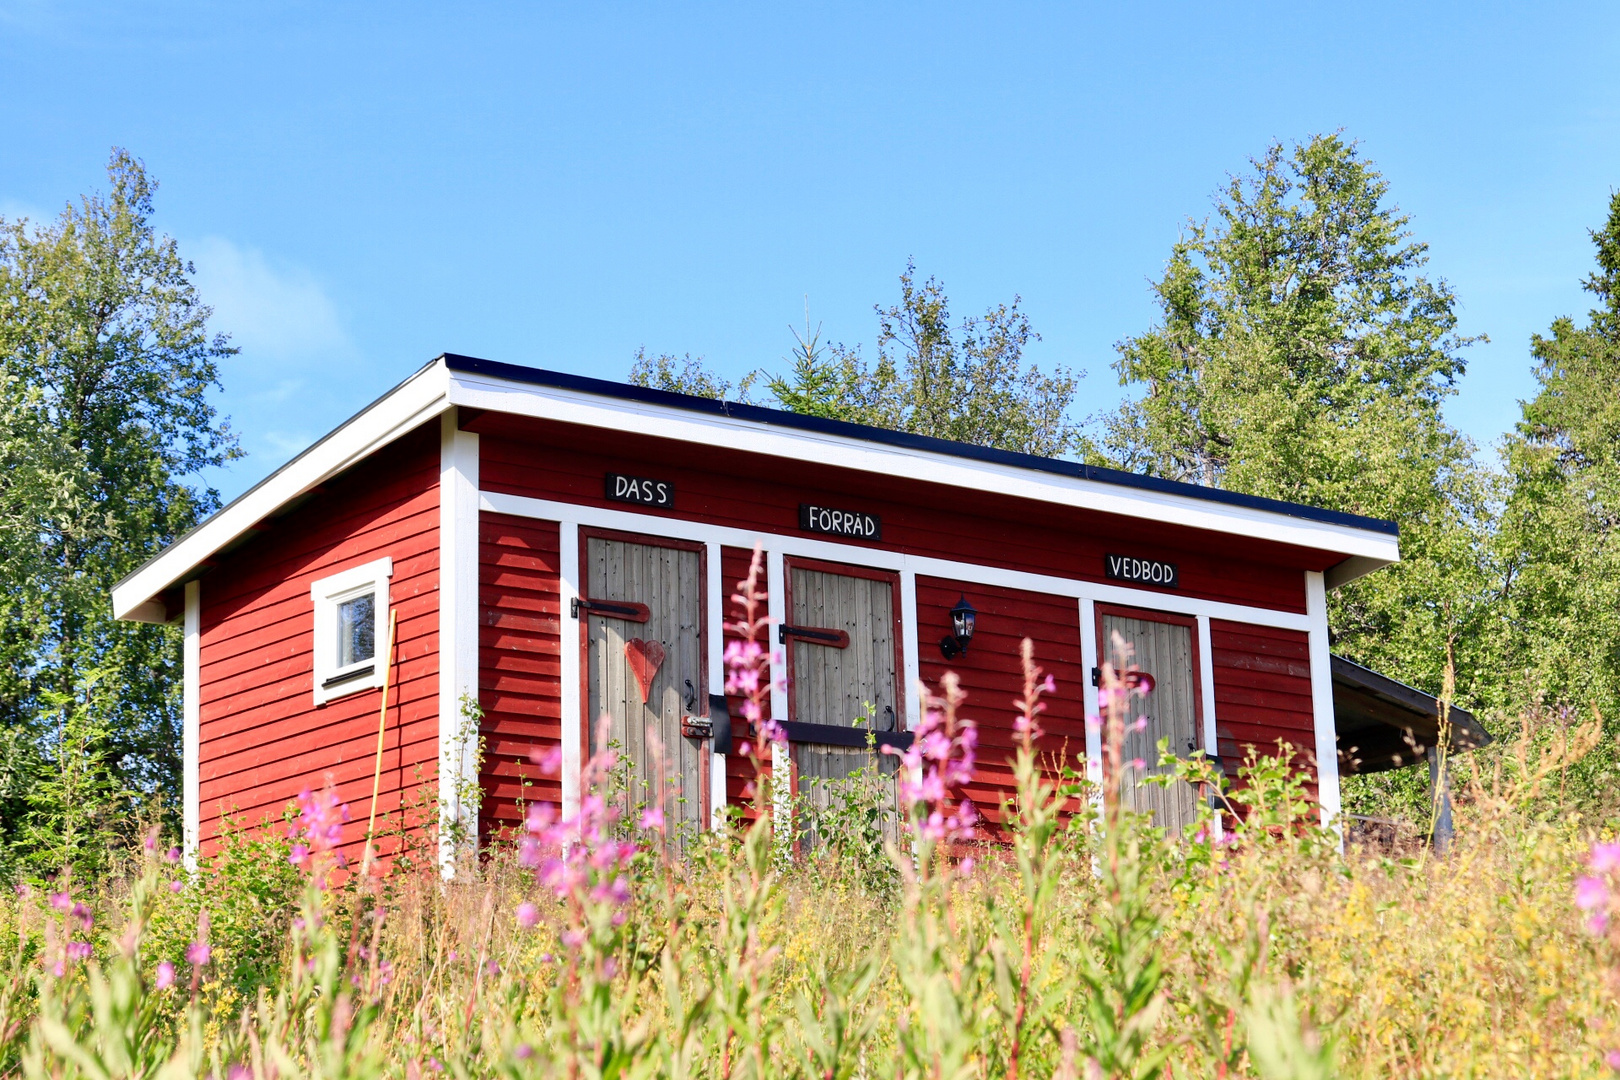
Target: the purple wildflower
pixel 528 916
pixel 198 953
pixel 165 975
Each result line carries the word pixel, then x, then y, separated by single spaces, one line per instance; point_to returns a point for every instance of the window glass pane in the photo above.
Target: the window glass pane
pixel 357 630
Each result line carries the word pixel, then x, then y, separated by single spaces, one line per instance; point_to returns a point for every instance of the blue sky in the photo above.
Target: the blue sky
pixel 363 187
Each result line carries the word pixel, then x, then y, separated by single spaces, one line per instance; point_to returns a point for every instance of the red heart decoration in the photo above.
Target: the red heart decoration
pixel 645 657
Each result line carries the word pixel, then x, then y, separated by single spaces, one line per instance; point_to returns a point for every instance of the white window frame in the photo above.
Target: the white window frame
pixel 327 594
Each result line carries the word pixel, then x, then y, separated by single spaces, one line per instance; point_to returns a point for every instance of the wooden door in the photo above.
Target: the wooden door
pixel 833 687
pixel 639 695
pixel 1165 651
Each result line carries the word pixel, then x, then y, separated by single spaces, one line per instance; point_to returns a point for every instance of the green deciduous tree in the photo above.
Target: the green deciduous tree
pixel 965 382
pixel 105 364
pixel 1302 354
pixel 1559 542
pixel 686 375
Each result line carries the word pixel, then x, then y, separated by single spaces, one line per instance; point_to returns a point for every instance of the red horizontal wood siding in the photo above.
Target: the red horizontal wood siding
pixel 1262 691
pixel 262 738
pixel 519 665
pixel 718 485
pixel 991 673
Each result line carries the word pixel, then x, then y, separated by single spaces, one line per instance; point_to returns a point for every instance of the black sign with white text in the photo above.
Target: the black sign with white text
pixel 636 489
pixel 824 519
pixel 1145 571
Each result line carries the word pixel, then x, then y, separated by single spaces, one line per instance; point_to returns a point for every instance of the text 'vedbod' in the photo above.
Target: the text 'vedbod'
pixel 1145 571
pixel 637 489
pixel 824 519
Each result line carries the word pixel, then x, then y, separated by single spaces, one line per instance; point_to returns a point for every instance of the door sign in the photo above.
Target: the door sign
pixel 640 490
pixel 1145 571
pixel 824 519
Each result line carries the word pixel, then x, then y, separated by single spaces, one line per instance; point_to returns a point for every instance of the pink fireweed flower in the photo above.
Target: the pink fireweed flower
pixel 176 886
pixel 1604 859
pixel 318 832
pixel 652 819
pixel 198 953
pixel 81 914
pixel 78 950
pixel 1591 893
pixel 577 856
pixel 940 757
pixel 528 916
pixel 165 975
pixel 549 759
pixel 172 855
pixel 61 901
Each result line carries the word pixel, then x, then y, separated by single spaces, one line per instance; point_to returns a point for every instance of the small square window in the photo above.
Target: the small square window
pixel 351 616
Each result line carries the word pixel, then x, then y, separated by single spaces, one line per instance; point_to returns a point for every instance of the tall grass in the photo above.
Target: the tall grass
pixel 1081 945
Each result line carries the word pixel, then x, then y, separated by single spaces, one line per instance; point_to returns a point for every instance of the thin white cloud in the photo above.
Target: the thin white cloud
pixel 277 314
pixel 13 210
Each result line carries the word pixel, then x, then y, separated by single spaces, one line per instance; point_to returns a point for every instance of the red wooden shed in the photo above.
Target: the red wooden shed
pixel 556 547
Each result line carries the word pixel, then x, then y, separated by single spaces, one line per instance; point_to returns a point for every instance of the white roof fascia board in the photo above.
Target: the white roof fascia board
pixel 417 399
pixel 571 406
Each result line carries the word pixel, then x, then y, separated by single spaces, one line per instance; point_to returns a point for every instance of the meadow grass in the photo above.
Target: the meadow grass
pixel 1084 945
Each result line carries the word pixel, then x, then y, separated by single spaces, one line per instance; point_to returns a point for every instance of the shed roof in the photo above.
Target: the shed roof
pixel 1361 544
pixel 1383 724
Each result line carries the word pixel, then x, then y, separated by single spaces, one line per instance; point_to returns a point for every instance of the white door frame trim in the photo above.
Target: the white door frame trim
pixel 778 546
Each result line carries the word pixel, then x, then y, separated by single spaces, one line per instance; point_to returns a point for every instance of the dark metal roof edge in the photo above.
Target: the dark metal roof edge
pixel 1409 696
pixel 906 440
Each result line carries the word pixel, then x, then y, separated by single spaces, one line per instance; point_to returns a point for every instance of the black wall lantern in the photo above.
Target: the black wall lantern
pixel 961 629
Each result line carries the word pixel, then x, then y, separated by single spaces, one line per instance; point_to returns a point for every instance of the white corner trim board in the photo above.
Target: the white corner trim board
pixel 458 629
pixel 191 725
pixel 1327 737
pixel 592 410
pixel 779 545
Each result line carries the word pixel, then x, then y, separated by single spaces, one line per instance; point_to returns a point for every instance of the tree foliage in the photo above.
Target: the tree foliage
pixel 686 375
pixel 106 361
pixel 966 382
pixel 1559 540
pixel 1302 354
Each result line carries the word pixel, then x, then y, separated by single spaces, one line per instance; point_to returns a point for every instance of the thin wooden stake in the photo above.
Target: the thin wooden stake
pixel 382 727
